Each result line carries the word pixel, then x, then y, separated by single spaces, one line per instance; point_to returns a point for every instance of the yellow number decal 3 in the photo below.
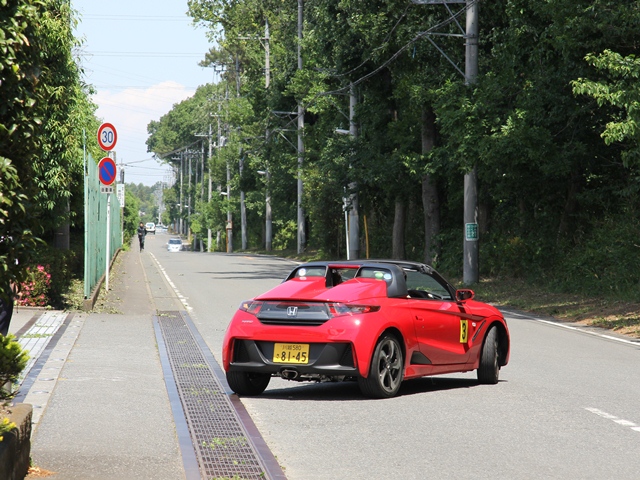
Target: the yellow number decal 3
pixel 464 331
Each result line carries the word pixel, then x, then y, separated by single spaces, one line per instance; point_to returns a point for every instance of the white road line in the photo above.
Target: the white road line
pixel 619 421
pixel 596 334
pixel 182 298
pixel 576 329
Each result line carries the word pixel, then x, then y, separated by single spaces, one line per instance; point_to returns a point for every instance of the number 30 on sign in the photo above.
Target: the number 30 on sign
pixel 107 136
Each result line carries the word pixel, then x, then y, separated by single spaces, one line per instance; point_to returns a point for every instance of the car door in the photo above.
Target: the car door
pixel 440 329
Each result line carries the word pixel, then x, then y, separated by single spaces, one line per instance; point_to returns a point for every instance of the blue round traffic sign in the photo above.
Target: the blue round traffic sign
pixel 107 171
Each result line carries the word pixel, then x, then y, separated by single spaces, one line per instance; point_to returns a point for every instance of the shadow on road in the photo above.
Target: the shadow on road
pixel 346 391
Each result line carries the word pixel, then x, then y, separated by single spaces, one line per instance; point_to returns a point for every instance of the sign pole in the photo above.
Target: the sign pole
pixel 108 240
pixel 107 138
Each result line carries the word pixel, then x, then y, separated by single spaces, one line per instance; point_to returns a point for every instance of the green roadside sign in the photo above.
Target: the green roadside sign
pixel 471 232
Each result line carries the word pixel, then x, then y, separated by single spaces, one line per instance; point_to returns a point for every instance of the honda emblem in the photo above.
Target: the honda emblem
pixel 292 311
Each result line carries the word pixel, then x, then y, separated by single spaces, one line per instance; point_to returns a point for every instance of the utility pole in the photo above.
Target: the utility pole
pixel 210 185
pixel 354 219
pixel 218 147
pixel 301 232
pixel 470 267
pixel 470 270
pixel 180 231
pixel 189 200
pixel 267 57
pixel 243 207
pixel 268 226
pixel 209 139
pixel 267 82
pixel 229 217
pixel 201 184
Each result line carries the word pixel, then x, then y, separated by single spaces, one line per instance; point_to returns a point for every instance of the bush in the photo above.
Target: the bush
pixel 34 291
pixel 605 262
pixel 13 360
pixel 63 266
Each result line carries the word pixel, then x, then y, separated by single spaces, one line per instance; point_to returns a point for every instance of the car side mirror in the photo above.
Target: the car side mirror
pixel 464 294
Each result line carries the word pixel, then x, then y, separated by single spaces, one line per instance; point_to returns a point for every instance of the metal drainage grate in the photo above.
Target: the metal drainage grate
pixel 222 446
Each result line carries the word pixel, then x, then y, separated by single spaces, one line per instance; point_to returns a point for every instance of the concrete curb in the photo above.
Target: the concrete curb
pixel 15 449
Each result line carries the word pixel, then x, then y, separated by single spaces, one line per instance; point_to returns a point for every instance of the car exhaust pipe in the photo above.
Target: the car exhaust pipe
pixel 289 374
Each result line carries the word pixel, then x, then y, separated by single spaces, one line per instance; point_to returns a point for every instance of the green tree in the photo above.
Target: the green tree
pixel 549 187
pixel 621 91
pixel 44 108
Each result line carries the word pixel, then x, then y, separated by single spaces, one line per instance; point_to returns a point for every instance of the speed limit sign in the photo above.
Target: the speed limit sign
pixel 107 136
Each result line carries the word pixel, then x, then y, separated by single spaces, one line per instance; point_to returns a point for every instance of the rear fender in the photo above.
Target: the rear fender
pixel 365 347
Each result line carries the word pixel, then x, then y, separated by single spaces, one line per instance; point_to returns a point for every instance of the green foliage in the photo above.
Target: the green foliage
pixel 16 240
pixel 5 427
pixel 532 125
pixel 605 261
pixel 13 360
pixel 286 235
pixel 621 91
pixel 131 216
pixel 45 107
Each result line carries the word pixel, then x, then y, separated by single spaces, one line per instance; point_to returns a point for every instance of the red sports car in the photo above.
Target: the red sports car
pixel 380 322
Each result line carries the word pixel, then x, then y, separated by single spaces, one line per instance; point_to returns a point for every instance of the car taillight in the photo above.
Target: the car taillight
pixel 337 309
pixel 251 306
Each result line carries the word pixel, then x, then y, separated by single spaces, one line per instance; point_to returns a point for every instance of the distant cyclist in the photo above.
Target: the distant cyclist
pixel 142 232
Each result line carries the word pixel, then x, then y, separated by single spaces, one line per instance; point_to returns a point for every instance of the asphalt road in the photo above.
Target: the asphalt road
pixel 567 405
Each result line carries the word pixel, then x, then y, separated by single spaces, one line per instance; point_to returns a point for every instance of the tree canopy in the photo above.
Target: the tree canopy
pixel 44 108
pixel 550 125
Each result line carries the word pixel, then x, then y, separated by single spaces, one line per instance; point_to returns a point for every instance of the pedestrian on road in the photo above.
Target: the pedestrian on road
pixel 142 232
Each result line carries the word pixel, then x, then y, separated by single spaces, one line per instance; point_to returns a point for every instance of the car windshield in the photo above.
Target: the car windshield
pixel 426 283
pixel 175 241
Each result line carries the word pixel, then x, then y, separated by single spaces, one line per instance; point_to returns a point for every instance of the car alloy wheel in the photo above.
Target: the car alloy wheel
pixel 386 372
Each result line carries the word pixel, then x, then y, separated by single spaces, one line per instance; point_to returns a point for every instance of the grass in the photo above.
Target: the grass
pixel 621 316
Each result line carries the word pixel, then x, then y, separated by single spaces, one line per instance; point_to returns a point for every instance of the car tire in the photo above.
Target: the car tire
pixel 248 383
pixel 386 371
pixel 489 370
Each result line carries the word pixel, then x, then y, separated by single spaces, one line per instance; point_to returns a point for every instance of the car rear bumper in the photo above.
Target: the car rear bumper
pixel 328 359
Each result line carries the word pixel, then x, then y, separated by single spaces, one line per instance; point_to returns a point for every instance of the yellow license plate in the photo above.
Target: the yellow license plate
pixel 291 353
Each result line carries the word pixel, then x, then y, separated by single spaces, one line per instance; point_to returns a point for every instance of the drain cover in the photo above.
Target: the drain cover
pixel 222 446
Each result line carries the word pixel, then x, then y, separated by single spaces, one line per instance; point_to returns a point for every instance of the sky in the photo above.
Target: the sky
pixel 142 57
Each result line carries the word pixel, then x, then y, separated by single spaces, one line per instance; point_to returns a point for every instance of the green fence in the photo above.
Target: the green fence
pixel 95 221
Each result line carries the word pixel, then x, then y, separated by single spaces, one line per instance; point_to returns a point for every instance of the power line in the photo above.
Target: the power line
pixel 151 18
pixel 141 54
pixel 444 23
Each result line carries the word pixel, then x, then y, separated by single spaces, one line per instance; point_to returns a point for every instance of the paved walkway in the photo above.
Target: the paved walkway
pixel 101 409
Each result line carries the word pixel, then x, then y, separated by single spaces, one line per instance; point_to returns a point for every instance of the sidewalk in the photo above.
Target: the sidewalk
pixel 101 408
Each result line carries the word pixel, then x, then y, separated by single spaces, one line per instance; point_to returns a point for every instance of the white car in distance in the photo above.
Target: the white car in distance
pixel 174 245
